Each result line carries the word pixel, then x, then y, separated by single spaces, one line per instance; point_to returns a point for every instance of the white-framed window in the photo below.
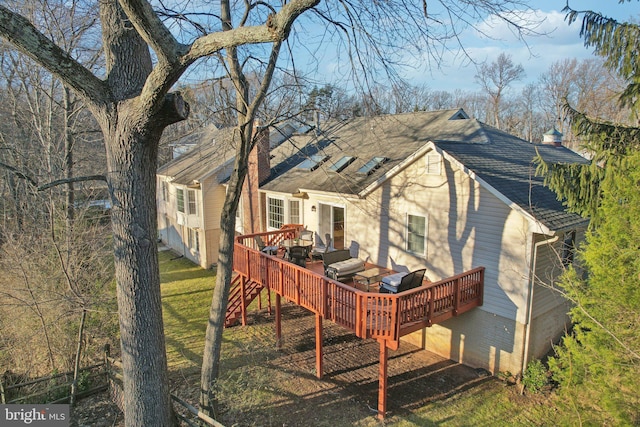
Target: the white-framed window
pixel 275 212
pixel 194 239
pixel 192 205
pixel 417 234
pixel 180 199
pixel 294 212
pixel 433 163
pixel 164 190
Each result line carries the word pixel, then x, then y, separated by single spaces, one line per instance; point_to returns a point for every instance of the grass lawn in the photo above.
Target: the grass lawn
pixel 261 386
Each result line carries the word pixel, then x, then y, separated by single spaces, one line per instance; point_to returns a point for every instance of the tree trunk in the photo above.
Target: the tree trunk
pixel 215 326
pixel 132 161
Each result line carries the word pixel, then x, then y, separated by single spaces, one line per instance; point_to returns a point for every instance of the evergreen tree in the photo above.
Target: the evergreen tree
pixel 598 363
pixel 607 142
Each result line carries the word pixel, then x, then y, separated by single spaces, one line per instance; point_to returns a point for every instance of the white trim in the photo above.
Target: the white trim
pixel 286 207
pixel 426 233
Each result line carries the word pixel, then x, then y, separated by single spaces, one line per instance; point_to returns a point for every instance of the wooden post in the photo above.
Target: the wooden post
pixel 382 380
pixel 319 368
pixel 456 291
pixel 243 296
pixel 3 398
pixel 278 323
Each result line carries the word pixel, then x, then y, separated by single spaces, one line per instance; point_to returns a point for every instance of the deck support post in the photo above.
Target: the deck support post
pixel 382 380
pixel 278 322
pixel 319 368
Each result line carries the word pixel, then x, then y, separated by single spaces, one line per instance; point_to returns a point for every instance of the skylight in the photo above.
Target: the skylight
pixel 372 165
pixel 342 163
pixel 311 163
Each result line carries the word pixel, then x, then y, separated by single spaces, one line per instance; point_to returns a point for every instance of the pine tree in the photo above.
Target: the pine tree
pixel 598 364
pixel 609 143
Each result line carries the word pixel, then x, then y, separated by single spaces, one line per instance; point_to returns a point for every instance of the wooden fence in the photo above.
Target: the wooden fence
pixel 55 388
pixel 93 379
pixel 187 413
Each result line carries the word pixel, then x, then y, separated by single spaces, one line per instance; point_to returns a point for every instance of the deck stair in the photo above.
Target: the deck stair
pixel 234 306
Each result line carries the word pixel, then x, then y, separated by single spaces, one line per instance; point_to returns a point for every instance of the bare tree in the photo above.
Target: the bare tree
pixel 133 105
pixel 494 78
pixel 557 85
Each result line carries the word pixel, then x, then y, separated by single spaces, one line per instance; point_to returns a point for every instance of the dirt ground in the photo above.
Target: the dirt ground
pixel 346 395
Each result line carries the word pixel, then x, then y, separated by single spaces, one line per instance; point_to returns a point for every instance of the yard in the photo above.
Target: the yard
pixel 262 386
pixel 265 387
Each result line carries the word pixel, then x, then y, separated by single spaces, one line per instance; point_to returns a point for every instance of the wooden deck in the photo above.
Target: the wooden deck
pixel 384 317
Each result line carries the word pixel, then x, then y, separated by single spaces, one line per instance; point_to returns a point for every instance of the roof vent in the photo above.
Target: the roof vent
pixel 552 137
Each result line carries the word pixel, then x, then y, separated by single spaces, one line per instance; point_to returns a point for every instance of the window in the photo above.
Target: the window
pixel 371 165
pixel 568 248
pixel 294 212
pixel 416 234
pixel 180 199
pixel 341 164
pixel 433 163
pixel 191 194
pixel 164 191
pixel 313 162
pixel 194 240
pixel 275 208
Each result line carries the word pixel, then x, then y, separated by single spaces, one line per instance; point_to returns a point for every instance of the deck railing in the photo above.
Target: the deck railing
pixel 368 314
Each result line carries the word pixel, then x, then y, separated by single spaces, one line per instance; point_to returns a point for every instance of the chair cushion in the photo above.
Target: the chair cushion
pixel 345 268
pixel 392 281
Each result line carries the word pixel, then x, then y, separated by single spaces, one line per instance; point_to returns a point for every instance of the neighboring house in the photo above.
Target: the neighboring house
pixel 440 191
pixel 191 191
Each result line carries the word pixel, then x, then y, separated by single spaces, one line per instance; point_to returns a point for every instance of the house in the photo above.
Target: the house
pixel 191 191
pixel 441 191
pixel 435 190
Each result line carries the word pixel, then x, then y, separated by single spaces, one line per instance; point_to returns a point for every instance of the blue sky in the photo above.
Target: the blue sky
pixel 561 41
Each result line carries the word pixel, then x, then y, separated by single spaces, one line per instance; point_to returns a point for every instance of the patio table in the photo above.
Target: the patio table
pixel 370 276
pixel 287 243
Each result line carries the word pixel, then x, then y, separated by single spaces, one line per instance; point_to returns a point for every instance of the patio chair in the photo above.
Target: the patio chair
pixel 306 235
pixel 298 255
pixel 322 248
pixel 271 250
pixel 408 281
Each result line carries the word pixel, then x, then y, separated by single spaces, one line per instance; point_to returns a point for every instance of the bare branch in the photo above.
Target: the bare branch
pixel 21 33
pixel 276 29
pixel 19 174
pixel 153 30
pixel 74 179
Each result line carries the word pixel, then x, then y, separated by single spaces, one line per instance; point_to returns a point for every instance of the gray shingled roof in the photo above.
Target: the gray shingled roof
pixel 505 163
pixel 215 148
pixel 501 160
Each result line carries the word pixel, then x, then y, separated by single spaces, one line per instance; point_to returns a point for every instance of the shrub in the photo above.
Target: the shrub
pixel 535 376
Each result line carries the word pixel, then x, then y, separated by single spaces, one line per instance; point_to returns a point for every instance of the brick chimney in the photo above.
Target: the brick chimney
pixel 259 169
pixel 552 137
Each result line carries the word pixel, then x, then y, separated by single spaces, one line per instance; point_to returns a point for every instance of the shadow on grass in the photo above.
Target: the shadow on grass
pixel 285 390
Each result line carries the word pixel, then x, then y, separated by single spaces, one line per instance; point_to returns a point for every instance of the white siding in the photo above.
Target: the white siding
pixel 467 227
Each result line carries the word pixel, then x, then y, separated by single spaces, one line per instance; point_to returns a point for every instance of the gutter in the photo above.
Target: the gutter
pixel 532 277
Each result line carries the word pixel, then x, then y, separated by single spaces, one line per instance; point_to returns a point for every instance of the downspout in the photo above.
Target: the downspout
pixel 532 278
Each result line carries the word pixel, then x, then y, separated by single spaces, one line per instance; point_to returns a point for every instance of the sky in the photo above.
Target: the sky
pixel 560 41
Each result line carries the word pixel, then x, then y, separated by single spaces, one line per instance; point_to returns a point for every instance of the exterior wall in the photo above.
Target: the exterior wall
pixel 467 227
pixel 173 226
pixel 477 338
pixel 213 196
pixel 549 319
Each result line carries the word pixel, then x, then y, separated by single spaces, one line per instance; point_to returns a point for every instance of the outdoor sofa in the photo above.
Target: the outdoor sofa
pixel 340 264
